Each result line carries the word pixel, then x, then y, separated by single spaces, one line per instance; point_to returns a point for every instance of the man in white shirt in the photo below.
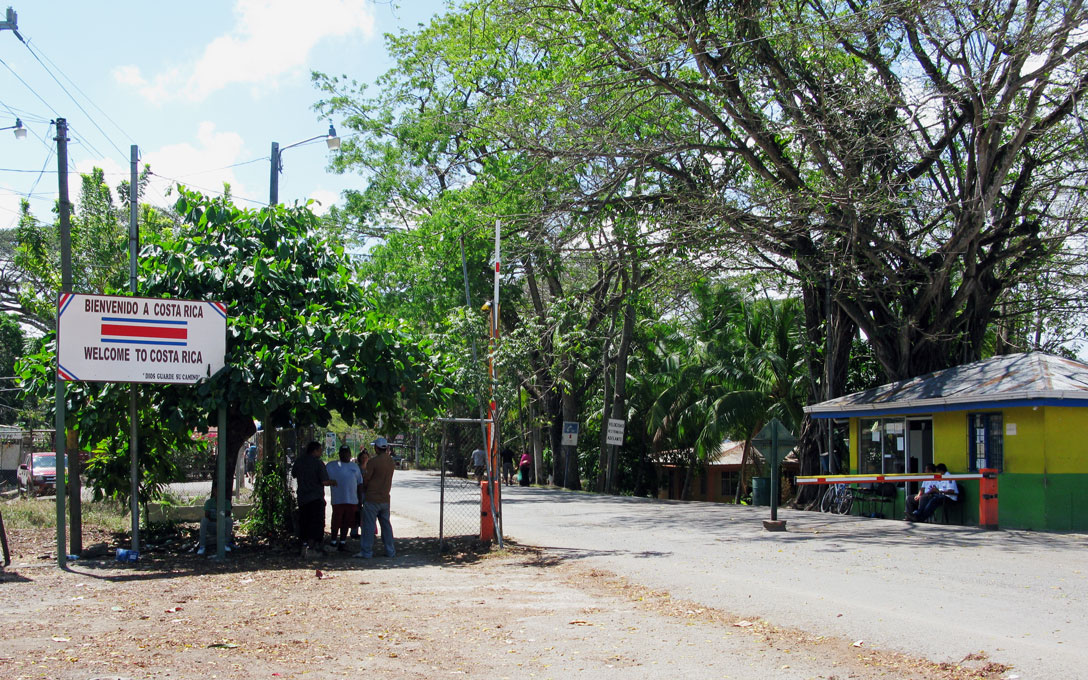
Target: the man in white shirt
pixel 928 487
pixel 946 491
pixel 479 464
pixel 345 496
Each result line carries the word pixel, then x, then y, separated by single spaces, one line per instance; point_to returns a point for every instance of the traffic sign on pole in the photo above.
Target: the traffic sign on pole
pixel 614 434
pixel 570 433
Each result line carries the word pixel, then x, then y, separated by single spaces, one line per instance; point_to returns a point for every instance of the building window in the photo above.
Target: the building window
pixel 729 483
pixel 986 442
pixel 702 482
pixel 882 448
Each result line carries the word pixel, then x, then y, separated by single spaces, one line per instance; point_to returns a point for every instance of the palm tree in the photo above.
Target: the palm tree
pixel 743 366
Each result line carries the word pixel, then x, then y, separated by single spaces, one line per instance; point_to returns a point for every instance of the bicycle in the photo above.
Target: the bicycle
pixel 837 499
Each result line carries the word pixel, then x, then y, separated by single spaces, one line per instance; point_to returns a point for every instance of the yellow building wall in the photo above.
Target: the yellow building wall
pixel 854 438
pixel 950 440
pixel 1065 444
pixel 1025 451
pixel 1048 439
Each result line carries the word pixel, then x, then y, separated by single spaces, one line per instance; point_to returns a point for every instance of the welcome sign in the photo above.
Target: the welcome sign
pixel 103 338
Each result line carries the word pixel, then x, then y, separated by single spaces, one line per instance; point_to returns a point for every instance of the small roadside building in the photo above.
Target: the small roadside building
pixel 1025 415
pixel 716 479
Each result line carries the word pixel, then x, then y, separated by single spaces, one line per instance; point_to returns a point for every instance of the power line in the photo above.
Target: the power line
pixel 27 85
pixel 78 105
pixel 73 83
pixel 216 192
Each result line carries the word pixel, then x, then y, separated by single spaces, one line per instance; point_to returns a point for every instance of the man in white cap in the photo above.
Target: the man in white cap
pixel 378 480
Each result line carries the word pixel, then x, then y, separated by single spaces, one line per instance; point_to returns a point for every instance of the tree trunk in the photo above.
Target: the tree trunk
pixel 623 353
pixel 571 407
pixel 603 458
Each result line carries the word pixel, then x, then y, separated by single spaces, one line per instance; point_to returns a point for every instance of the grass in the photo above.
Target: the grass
pixel 41 513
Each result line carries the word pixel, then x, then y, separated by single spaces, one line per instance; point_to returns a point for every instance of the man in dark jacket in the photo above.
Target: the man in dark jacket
pixel 312 478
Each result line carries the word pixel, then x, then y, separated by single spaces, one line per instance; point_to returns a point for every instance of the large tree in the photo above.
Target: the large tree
pixel 304 338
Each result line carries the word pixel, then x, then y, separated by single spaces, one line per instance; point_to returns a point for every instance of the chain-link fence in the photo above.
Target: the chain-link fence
pixel 460 508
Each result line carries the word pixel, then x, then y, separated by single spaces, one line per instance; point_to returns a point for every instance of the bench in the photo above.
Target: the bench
pixel 869 497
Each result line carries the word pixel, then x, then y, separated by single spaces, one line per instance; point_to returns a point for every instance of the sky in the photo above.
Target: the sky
pixel 202 87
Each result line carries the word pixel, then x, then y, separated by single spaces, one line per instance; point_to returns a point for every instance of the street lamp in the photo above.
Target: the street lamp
pixel 277 165
pixel 20 131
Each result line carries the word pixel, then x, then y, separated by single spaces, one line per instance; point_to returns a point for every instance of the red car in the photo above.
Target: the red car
pixel 38 473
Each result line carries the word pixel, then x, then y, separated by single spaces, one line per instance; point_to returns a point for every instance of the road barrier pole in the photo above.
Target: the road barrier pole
pixel 987 499
pixel 487 524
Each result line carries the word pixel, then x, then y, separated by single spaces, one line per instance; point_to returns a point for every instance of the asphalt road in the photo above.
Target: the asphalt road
pixel 935 591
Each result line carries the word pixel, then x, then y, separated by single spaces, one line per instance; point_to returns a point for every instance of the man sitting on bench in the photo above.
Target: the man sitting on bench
pixel 927 489
pixel 946 492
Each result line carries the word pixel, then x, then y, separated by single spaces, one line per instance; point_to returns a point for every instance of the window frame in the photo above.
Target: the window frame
pixel 992 459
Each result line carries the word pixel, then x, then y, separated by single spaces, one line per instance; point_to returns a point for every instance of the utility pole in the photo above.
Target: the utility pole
pixel 65 287
pixel 331 140
pixel 274 178
pixel 134 429
pixel 11 24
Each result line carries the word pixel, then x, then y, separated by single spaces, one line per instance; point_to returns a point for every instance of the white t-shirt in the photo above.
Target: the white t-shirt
pixel 949 485
pixel 348 478
pixel 479 458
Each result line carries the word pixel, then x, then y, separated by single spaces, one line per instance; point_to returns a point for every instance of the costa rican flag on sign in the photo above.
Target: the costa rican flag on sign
pixel 130 331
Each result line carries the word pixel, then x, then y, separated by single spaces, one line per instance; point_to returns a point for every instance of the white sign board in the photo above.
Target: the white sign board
pixel 614 434
pixel 570 433
pixel 103 338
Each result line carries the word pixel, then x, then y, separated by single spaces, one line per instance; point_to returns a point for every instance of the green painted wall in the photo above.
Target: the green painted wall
pixel 1043 502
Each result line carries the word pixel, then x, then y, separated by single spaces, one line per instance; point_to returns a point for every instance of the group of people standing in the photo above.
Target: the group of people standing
pixel 360 498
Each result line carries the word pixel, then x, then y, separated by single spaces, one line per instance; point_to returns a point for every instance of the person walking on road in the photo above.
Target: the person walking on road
pixel 377 482
pixel 345 496
pixel 479 464
pixel 525 466
pixel 312 478
pixel 507 456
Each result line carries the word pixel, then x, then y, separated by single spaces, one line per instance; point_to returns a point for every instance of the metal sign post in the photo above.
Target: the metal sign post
pixel 775 438
pixel 108 338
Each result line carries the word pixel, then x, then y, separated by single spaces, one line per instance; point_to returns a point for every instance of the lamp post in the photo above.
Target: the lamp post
pixel 277 165
pixel 20 131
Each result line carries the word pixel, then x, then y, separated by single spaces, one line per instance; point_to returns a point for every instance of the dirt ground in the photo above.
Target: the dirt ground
pixel 264 613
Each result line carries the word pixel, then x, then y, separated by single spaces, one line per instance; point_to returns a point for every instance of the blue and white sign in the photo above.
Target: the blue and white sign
pixel 570 433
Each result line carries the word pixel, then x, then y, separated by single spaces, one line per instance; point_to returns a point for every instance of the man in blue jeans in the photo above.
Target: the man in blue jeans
pixel 378 480
pixel 946 491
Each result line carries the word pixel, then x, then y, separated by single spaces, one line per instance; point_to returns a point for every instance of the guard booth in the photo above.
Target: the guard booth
pixel 1022 415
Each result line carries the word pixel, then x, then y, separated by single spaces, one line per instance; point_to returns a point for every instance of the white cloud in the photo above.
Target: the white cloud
pixel 9 209
pixel 202 166
pixel 270 38
pixel 325 200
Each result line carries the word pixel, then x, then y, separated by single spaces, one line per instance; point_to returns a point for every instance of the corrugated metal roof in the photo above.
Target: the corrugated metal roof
pixel 1007 380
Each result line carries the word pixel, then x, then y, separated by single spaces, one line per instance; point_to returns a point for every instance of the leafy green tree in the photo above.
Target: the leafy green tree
pixel 304 338
pixel 99 237
pixel 12 347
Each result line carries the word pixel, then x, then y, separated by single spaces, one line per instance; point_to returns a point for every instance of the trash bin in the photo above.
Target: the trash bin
pixel 761 490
